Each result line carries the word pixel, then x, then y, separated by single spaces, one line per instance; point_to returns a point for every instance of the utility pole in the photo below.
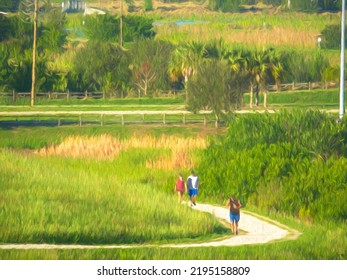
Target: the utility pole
pixel 33 73
pixel 342 62
pixel 121 24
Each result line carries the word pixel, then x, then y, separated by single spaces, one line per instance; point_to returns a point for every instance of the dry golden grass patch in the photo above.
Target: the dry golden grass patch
pixel 187 8
pixel 99 147
pixel 108 147
pixel 276 36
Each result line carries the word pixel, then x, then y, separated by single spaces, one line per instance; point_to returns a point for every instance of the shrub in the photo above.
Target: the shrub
pixel 290 162
pixel 331 37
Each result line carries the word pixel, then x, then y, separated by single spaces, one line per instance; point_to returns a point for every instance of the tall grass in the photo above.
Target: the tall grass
pixel 59 200
pixel 292 162
pixel 298 30
pixel 63 200
pixel 107 147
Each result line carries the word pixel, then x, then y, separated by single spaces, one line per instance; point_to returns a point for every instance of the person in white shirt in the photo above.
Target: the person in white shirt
pixel 193 185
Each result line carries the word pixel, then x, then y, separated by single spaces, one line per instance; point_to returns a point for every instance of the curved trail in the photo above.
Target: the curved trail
pixel 258 230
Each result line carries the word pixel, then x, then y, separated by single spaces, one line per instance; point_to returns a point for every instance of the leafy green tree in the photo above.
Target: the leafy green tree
pixel 5 27
pixel 53 35
pixel 331 37
pixel 9 5
pixel 101 27
pixel 137 27
pixel 215 87
pixel 148 62
pixel 19 68
pixel 4 56
pixel 99 66
pixel 107 28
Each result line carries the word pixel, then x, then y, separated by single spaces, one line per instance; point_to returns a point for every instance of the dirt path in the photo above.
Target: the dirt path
pixel 116 112
pixel 254 229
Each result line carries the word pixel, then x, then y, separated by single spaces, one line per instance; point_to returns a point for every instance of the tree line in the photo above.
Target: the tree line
pixel 225 5
pixel 213 74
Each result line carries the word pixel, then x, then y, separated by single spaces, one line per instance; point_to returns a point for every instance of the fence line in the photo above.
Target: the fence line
pixel 80 95
pixel 98 94
pixel 301 86
pixel 103 118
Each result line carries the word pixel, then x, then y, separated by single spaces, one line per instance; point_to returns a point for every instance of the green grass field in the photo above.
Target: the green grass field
pixel 56 199
pixel 63 196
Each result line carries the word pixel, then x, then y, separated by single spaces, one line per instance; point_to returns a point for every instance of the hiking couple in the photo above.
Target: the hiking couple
pixel 193 185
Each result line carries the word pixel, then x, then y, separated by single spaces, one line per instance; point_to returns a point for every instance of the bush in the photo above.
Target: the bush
pixel 291 162
pixel 148 4
pixel 331 37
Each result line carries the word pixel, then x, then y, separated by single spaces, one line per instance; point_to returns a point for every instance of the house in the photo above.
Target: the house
pixel 73 6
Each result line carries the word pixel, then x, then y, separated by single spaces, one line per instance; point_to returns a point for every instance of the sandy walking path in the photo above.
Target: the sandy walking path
pixel 258 230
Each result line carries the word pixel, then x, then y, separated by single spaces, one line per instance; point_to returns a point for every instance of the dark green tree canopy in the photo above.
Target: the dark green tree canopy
pixel 9 5
pixel 214 87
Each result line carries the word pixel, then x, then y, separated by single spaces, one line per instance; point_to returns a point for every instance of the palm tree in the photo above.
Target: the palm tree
pixel 184 61
pixel 276 66
pixel 218 49
pixel 257 65
pixel 237 61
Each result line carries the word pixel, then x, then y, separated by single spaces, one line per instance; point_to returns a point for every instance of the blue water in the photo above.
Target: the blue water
pixel 179 23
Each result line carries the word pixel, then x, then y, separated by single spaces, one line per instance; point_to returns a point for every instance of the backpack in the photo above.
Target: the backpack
pixel 234 206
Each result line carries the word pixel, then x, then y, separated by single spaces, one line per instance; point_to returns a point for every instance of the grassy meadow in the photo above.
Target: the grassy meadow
pixel 265 26
pixel 123 197
pixel 114 184
pixel 294 30
pixel 104 196
pixel 317 97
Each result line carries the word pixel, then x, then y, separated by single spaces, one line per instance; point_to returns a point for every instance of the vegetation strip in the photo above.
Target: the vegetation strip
pixel 258 229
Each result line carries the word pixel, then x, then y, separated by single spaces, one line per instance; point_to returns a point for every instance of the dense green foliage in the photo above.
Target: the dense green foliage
pixel 9 5
pixel 83 201
pixel 312 6
pixel 331 37
pixel 98 65
pixel 221 92
pixel 148 5
pixel 145 66
pixel 291 162
pixel 329 238
pixel 106 27
pixel 16 51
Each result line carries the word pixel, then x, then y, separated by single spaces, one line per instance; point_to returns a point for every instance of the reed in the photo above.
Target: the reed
pixel 84 201
pixel 107 147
